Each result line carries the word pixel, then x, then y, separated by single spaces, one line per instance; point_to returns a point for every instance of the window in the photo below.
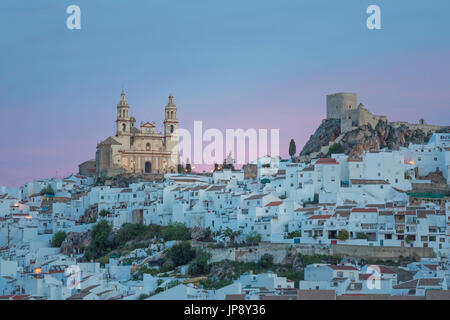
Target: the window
pixel 147 146
pixel 124 127
pixel 171 128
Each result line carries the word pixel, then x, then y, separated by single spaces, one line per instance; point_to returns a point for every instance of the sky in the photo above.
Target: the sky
pixel 230 63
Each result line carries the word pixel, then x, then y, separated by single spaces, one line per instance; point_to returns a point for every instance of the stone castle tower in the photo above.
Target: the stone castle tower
pixel 344 106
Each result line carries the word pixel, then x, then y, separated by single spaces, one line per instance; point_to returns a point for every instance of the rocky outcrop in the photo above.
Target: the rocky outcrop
pixel 327 132
pixel 75 241
pixel 366 138
pixel 200 234
pixel 90 214
pixel 383 136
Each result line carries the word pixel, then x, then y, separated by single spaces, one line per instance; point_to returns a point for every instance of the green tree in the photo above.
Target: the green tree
pixel 58 239
pixel 103 213
pixel 343 235
pixel 334 149
pixel 176 231
pixel 48 190
pixel 292 148
pixel 362 235
pixel 253 238
pixel 130 231
pixel 181 253
pixel 230 234
pixel 266 261
pixel 101 241
pixel 200 264
pixel 92 220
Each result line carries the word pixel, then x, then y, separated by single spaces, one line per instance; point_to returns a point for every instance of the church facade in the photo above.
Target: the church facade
pixel 139 149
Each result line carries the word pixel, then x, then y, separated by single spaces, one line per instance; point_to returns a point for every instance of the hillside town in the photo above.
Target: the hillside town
pixel 50 247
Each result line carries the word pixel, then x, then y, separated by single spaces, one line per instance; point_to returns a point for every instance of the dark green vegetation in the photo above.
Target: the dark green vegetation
pixel 103 213
pixel 343 235
pixel 314 201
pixel 224 272
pixel 334 149
pixel 58 239
pixel 292 148
pixel 48 190
pixel 105 241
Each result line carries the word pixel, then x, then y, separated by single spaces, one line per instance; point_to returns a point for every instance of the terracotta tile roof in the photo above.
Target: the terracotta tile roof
pixel 279 297
pixel 437 295
pixel 343 213
pixel 235 297
pixel 431 266
pixel 339 267
pixel 364 276
pixel 384 269
pixel 215 188
pixel 407 285
pixel 21 297
pixel 274 204
pixel 256 196
pixel 407 297
pixel 368 181
pixel 318 217
pixel 354 297
pixel 326 161
pixel 316 295
pixel 430 282
pixel 379 206
pixel 109 141
pixel 425 213
pixel 306 209
pixel 364 210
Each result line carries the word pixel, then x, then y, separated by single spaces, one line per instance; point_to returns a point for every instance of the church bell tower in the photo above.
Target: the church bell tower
pixel 123 117
pixel 170 131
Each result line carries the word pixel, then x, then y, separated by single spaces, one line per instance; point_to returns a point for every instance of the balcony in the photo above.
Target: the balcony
pixel 399 229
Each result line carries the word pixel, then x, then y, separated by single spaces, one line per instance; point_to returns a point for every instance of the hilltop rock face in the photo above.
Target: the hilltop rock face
pixel 328 131
pixel 383 136
pixel 75 239
pixel 365 138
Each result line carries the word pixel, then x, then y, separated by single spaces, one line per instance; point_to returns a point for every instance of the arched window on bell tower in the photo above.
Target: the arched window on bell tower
pixel 171 128
pixel 147 146
pixel 124 127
